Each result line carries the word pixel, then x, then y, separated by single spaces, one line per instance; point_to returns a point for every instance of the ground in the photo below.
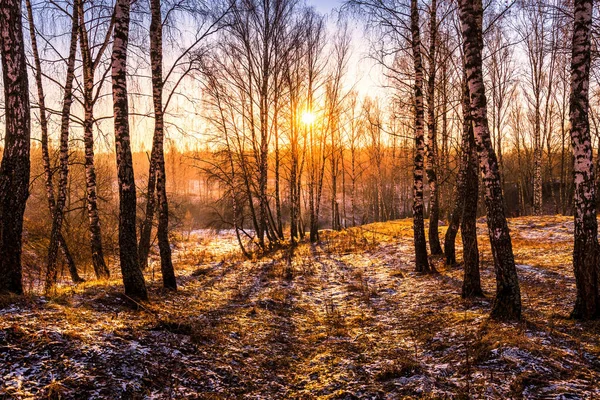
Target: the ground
pixel 347 318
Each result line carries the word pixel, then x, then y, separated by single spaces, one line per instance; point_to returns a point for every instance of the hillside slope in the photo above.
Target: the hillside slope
pixel 345 319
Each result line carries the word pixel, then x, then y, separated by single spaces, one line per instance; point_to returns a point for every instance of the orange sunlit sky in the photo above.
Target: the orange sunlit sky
pixel 362 75
pixel 186 126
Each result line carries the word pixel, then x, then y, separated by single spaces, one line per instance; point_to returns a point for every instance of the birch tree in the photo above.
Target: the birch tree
pixel 133 279
pixel 178 71
pixel 158 155
pixel 501 74
pixel 43 121
pixel 52 271
pixel 293 80
pixel 434 198
pixel 585 250
pixel 90 64
pixel 507 304
pixel 460 193
pixel 421 259
pixel 534 35
pixel 15 166
pixel 334 99
pixel 315 154
pixel 468 227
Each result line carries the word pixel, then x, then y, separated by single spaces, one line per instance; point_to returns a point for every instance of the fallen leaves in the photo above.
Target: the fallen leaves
pixel 347 318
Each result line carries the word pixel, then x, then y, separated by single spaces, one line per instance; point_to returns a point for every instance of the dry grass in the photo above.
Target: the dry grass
pixel 343 319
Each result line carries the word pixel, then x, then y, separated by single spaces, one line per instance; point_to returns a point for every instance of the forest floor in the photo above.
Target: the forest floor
pixel 347 318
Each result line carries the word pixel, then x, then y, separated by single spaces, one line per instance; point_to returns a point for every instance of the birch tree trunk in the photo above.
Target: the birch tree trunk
pixel 263 161
pixel 333 165
pixel 468 228
pixel 52 271
pixel 15 166
pixel 537 158
pixel 278 221
pixel 37 67
pixel 158 155
pixel 294 156
pixel 507 305
pixel 585 250
pixel 434 202
pixel 444 158
pixel 421 260
pixel 133 279
pixel 461 184
pixel 89 66
pixel 313 228
pixel 146 229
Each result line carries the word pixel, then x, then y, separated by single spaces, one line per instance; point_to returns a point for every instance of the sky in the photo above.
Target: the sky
pixel 361 76
pixel 362 73
pixel 325 6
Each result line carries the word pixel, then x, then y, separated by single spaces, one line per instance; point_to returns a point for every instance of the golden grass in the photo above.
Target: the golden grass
pixel 342 317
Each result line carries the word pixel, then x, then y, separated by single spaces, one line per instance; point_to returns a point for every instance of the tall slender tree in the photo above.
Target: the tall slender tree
pixel 501 73
pixel 158 155
pixel 535 38
pixel 434 197
pixel 421 259
pixel 182 65
pixel 90 64
pixel 585 249
pixel 58 215
pixel 293 82
pixel 133 279
pixel 334 100
pixel 507 304
pixel 464 214
pixel 315 154
pixel 461 181
pixel 43 119
pixel 468 227
pixel 15 166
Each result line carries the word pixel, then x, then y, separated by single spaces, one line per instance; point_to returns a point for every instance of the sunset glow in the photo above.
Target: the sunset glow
pixel 308 118
pixel 299 198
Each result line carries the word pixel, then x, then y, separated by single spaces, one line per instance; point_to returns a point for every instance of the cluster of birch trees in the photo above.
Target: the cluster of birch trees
pixel 92 64
pixel 500 105
pixel 288 129
pixel 485 96
pixel 548 90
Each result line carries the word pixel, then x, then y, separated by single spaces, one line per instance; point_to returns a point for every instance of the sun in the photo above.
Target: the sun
pixel 308 118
